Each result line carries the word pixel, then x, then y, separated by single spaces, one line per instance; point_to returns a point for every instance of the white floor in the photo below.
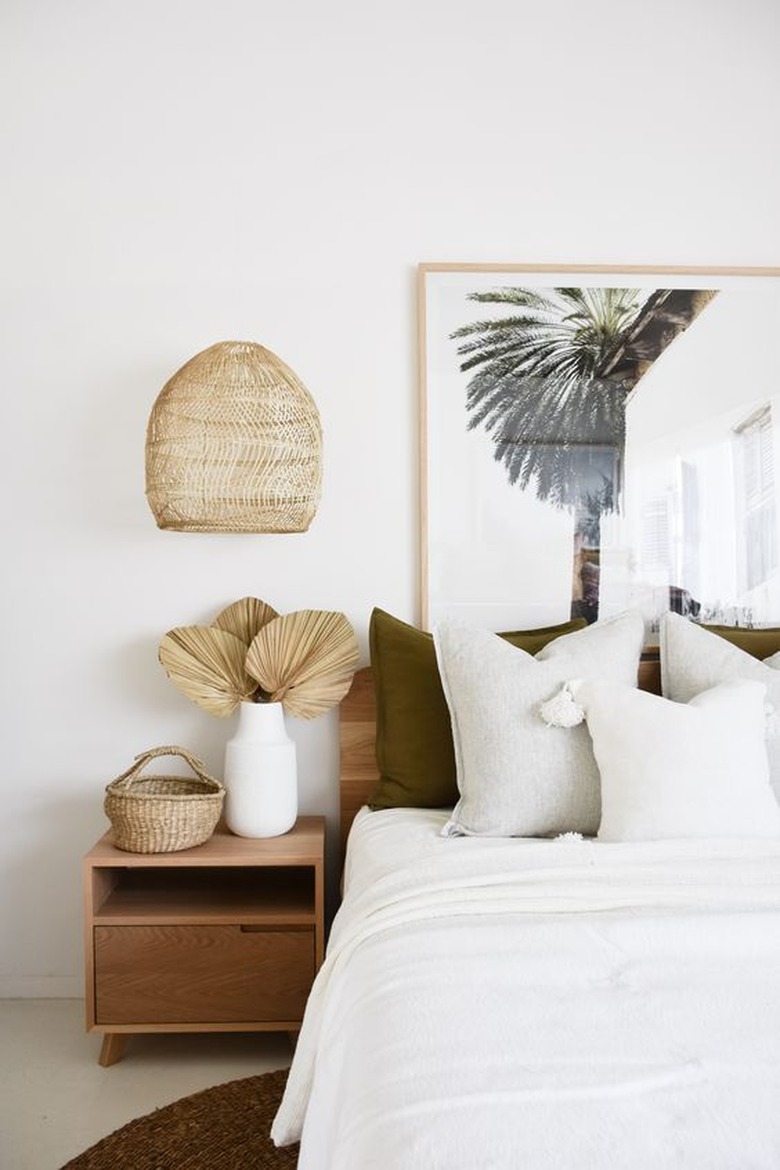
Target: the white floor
pixel 56 1100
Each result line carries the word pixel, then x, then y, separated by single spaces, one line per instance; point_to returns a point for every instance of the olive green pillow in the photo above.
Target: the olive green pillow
pixel 414 749
pixel 762 642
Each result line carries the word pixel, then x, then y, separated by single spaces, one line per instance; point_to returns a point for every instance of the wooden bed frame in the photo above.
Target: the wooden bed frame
pixel 359 774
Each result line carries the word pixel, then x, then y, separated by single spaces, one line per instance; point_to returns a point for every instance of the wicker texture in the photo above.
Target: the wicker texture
pixel 234 444
pixel 226 1127
pixel 160 814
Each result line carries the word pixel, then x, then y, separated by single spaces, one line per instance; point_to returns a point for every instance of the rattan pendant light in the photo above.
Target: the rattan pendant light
pixel 234 444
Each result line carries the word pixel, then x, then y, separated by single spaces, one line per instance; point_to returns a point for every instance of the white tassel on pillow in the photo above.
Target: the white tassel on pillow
pixel 561 710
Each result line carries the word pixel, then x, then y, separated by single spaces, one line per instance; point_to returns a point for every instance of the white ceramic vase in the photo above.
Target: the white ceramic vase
pixel 261 775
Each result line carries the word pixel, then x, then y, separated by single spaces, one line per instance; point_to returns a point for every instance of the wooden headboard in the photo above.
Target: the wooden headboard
pixel 359 774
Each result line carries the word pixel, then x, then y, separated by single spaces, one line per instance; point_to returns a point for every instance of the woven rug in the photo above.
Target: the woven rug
pixel 224 1128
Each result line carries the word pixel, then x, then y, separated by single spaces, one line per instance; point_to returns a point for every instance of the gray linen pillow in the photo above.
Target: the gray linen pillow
pixel 516 776
pixel 693 660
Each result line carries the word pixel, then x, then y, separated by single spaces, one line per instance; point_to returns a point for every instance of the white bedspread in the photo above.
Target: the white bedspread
pixel 543 1005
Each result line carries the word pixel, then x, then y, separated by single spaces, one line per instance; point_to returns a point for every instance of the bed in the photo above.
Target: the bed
pixel 550 1001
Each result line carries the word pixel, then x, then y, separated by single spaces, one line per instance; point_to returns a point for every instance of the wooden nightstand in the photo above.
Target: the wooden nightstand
pixel 226 937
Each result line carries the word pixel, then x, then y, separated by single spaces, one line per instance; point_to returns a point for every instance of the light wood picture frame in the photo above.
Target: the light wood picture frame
pixel 598 438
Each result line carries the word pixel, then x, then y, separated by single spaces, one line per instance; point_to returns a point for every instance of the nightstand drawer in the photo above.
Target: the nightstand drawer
pixel 201 974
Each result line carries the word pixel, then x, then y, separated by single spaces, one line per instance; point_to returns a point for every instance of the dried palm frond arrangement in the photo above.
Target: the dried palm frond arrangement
pixel 251 654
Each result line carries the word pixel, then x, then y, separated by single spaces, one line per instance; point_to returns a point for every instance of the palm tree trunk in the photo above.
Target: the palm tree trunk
pixel 585 567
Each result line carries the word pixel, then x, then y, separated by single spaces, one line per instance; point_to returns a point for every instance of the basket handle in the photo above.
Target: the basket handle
pixel 126 778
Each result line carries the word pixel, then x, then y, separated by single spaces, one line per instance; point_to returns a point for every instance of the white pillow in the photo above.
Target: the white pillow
pixel 696 769
pixel 516 776
pixel 693 659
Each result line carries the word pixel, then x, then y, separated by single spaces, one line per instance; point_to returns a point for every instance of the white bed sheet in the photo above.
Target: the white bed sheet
pixel 543 1005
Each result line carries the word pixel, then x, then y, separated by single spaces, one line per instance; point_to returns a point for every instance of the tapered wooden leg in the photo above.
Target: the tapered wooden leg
pixel 112 1048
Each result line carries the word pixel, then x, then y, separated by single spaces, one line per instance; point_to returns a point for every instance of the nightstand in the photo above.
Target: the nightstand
pixel 226 937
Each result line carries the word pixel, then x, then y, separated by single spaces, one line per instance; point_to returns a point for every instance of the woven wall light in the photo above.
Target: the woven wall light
pixel 234 444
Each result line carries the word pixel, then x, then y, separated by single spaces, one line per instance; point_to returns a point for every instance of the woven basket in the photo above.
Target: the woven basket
pixel 160 814
pixel 234 444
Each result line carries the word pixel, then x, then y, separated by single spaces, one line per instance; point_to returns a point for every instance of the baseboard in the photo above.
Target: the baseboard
pixel 41 987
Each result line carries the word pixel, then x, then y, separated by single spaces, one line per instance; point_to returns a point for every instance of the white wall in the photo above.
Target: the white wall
pixel 178 172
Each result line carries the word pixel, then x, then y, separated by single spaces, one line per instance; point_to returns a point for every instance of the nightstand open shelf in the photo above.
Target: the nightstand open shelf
pixel 269 896
pixel 224 937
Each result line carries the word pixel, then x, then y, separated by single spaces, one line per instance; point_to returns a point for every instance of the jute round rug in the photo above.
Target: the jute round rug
pixel 224 1128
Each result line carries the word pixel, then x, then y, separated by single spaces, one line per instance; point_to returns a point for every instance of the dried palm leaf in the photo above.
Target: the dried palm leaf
pixel 207 665
pixel 305 660
pixel 245 618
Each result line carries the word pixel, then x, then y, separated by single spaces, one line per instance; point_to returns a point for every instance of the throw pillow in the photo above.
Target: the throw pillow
pixel 516 776
pixel 696 769
pixel 413 736
pixel 694 658
pixel 759 642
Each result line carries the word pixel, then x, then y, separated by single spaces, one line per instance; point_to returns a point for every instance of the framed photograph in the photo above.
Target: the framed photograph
pixel 598 439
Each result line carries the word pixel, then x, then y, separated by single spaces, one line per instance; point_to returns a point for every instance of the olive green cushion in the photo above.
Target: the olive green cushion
pixel 414 748
pixel 762 642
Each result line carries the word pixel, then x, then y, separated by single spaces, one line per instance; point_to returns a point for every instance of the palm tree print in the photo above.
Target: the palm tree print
pixel 549 382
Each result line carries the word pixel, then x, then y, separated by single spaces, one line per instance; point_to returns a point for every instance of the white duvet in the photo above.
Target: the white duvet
pixel 543 1005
